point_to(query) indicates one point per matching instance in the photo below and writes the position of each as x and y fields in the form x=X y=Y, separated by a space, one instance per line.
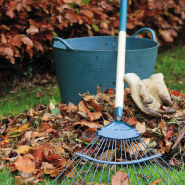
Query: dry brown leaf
x=88 y=13
x=22 y=149
x=23 y=180
x=139 y=148
x=83 y=108
x=26 y=165
x=59 y=150
x=26 y=136
x=156 y=182
x=32 y=30
x=105 y=122
x=120 y=178
x=48 y=168
x=168 y=145
x=89 y=183
x=16 y=41
x=97 y=114
x=51 y=105
x=141 y=127
x=163 y=126
x=8 y=51
x=90 y=124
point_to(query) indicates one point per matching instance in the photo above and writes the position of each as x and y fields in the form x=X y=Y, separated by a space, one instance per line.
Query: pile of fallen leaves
x=43 y=140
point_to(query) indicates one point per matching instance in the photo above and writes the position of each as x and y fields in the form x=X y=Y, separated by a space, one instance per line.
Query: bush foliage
x=27 y=26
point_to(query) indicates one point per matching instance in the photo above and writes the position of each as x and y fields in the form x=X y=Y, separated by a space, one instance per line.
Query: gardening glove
x=150 y=94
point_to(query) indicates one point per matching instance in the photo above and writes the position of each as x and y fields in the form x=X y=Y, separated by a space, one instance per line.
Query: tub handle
x=62 y=41
x=145 y=29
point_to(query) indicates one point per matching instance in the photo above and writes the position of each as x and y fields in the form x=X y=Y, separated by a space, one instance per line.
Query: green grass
x=12 y=104
x=95 y=177
x=172 y=64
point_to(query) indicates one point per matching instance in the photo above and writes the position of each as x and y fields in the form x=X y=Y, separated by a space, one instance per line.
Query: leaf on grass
x=55 y=111
x=51 y=105
x=90 y=124
x=89 y=183
x=12 y=167
x=26 y=165
x=24 y=180
x=156 y=182
x=120 y=178
x=22 y=149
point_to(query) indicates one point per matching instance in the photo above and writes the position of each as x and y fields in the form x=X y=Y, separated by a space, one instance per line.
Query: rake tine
x=110 y=164
x=165 y=162
x=121 y=154
x=138 y=162
x=133 y=163
x=157 y=162
x=92 y=143
x=105 y=160
x=100 y=158
x=83 y=164
x=141 y=157
x=152 y=163
x=115 y=155
x=126 y=161
x=91 y=164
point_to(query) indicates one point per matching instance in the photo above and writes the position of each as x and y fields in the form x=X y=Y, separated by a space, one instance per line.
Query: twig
x=179 y=122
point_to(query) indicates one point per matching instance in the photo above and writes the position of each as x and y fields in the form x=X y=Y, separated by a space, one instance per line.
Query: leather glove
x=150 y=94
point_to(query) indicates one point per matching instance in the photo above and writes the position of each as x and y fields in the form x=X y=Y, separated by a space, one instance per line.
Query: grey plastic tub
x=83 y=63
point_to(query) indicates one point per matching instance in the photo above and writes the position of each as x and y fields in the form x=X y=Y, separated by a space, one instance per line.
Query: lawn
x=171 y=63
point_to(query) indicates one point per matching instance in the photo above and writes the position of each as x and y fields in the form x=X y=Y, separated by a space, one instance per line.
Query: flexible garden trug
x=118 y=146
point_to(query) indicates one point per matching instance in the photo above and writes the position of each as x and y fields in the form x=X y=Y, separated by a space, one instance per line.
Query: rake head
x=119 y=155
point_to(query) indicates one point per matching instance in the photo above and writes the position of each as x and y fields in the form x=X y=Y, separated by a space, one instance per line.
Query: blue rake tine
x=84 y=163
x=93 y=161
x=105 y=160
x=110 y=161
x=98 y=163
x=126 y=161
x=92 y=143
x=157 y=162
x=115 y=155
x=141 y=157
x=121 y=154
x=133 y=163
x=138 y=163
x=166 y=163
x=153 y=164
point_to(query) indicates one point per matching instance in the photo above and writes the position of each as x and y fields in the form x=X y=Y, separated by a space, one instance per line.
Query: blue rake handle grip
x=145 y=29
x=62 y=41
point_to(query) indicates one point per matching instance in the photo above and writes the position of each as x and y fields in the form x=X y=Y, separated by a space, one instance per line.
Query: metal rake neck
x=118 y=130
